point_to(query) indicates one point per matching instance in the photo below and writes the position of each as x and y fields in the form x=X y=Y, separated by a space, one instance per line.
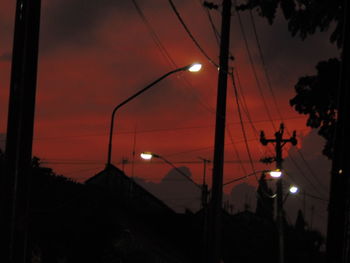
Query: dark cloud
x=74 y=21
x=313 y=177
x=175 y=190
x=287 y=58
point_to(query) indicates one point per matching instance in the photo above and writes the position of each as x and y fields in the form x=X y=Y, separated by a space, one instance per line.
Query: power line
x=90 y=162
x=190 y=34
x=167 y=55
x=303 y=174
x=267 y=76
x=268 y=79
x=242 y=125
x=150 y=130
x=251 y=62
x=236 y=151
x=211 y=22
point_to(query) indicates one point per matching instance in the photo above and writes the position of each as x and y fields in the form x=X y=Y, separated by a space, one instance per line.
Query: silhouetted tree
x=317 y=97
x=304 y=17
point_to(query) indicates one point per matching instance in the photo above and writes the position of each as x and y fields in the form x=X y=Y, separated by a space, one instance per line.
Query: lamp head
x=195 y=67
x=146 y=155
x=293 y=189
x=149 y=155
x=276 y=173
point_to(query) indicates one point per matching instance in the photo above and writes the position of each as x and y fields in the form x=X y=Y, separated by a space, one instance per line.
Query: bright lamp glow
x=293 y=189
x=146 y=155
x=276 y=173
x=195 y=67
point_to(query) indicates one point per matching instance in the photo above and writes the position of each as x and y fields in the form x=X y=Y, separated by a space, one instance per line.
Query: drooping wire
x=190 y=34
x=246 y=109
x=167 y=55
x=211 y=22
x=154 y=36
x=242 y=126
x=236 y=150
x=297 y=166
x=304 y=175
x=250 y=58
x=311 y=171
x=267 y=76
x=268 y=81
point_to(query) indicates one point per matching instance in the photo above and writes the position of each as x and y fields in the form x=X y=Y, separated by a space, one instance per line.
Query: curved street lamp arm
x=131 y=98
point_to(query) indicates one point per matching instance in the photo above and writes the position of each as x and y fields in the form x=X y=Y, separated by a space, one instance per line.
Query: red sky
x=95 y=54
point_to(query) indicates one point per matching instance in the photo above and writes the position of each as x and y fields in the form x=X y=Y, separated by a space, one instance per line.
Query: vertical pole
x=338 y=229
x=15 y=180
x=204 y=197
x=215 y=208
x=304 y=203
x=280 y=222
x=279 y=143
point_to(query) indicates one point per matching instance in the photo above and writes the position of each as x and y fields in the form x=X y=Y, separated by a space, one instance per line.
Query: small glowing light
x=146 y=155
x=293 y=189
x=276 y=173
x=195 y=67
x=340 y=171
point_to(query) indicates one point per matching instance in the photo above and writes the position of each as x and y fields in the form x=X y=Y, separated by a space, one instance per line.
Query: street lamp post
x=195 y=67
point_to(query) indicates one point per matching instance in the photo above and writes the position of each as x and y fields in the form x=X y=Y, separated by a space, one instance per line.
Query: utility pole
x=204 y=205
x=215 y=205
x=279 y=143
x=204 y=198
x=14 y=182
x=338 y=230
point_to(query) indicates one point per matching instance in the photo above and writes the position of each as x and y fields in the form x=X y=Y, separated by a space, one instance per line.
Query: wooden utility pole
x=16 y=177
x=204 y=197
x=338 y=231
x=215 y=205
x=279 y=143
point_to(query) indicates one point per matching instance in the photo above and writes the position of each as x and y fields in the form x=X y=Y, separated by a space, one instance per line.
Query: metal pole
x=204 y=198
x=16 y=178
x=215 y=206
x=280 y=223
x=338 y=230
x=109 y=154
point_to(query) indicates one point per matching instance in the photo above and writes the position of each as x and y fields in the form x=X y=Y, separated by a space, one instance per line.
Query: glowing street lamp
x=276 y=173
x=194 y=67
x=146 y=155
x=293 y=189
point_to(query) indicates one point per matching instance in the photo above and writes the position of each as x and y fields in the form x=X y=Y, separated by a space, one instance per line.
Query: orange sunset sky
x=95 y=54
